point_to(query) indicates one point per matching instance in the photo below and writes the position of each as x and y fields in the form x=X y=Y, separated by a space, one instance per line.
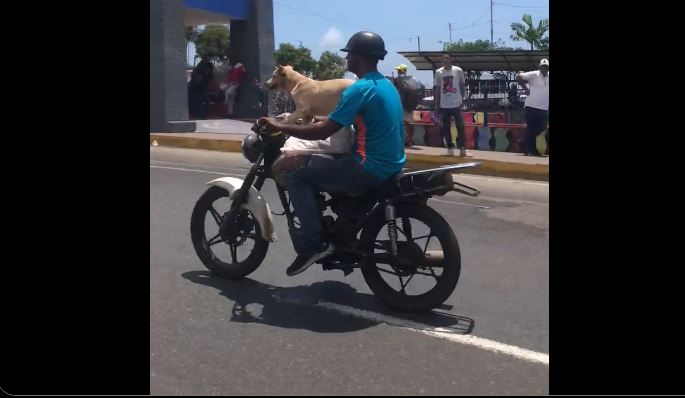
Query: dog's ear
x=282 y=70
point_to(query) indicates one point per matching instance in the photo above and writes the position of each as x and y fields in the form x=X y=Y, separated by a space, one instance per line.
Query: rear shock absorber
x=392 y=226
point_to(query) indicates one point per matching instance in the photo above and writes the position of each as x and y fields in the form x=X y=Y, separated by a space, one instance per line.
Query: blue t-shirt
x=373 y=104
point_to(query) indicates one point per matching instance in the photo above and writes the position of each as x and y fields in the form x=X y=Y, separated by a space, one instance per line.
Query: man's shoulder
x=355 y=86
x=359 y=87
x=440 y=69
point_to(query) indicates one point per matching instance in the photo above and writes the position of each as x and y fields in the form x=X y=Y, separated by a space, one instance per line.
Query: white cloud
x=332 y=39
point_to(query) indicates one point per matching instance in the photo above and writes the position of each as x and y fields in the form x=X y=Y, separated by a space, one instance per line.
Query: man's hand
x=270 y=123
x=319 y=119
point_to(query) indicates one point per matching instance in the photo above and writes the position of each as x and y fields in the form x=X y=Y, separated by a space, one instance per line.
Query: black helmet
x=367 y=43
x=252 y=147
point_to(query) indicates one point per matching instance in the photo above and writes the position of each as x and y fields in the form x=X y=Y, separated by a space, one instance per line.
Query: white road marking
x=499 y=179
x=485 y=344
x=459 y=203
x=197 y=171
x=169 y=163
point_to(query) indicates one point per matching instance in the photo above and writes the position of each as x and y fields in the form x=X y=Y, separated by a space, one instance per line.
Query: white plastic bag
x=339 y=143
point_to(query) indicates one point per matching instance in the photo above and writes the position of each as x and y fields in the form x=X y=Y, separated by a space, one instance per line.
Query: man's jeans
x=446 y=118
x=536 y=121
x=322 y=173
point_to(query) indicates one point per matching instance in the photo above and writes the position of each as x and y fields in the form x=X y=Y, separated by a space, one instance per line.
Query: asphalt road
x=323 y=333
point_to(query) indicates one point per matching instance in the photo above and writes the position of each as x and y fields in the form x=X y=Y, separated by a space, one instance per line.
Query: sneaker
x=450 y=151
x=307 y=258
x=464 y=153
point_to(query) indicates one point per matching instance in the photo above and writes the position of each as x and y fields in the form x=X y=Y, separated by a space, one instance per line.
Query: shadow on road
x=295 y=307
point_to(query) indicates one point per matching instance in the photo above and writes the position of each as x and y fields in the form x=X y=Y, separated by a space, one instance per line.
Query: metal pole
x=419 y=37
x=450 y=26
x=492 y=43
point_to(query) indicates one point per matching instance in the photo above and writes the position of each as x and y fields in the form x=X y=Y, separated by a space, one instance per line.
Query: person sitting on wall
x=236 y=75
x=198 y=89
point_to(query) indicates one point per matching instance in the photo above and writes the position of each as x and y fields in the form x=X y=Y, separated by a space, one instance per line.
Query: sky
x=326 y=25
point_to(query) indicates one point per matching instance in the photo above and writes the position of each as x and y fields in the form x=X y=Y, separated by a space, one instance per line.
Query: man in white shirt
x=448 y=89
x=536 y=84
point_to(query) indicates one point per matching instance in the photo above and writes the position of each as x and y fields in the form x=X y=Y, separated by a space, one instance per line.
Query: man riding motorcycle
x=374 y=106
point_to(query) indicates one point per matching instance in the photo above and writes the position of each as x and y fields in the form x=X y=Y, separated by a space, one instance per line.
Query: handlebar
x=263 y=132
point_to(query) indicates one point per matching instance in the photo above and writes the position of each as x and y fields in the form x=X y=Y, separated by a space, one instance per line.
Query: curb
x=493 y=168
x=197 y=143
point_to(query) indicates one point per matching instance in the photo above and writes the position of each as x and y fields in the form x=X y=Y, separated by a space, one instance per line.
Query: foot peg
x=345 y=268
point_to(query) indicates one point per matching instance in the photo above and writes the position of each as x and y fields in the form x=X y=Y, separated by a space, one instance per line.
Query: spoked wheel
x=431 y=264
x=233 y=253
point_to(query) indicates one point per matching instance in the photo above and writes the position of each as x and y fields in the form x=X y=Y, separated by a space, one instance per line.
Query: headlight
x=252 y=147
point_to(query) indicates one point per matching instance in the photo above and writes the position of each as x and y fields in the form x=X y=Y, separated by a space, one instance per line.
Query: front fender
x=255 y=203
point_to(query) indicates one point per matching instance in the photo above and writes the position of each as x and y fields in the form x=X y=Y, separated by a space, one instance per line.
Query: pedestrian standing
x=449 y=88
x=536 y=85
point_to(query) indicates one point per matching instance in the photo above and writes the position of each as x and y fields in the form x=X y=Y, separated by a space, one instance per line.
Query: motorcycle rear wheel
x=450 y=265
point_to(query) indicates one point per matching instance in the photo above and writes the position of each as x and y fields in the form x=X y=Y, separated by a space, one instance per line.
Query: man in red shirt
x=236 y=75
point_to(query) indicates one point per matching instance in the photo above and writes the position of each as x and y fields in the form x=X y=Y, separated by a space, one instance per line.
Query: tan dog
x=312 y=97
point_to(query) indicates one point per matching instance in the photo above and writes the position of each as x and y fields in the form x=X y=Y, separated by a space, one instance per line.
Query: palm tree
x=527 y=31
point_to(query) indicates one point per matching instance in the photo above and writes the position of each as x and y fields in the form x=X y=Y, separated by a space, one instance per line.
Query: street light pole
x=419 y=41
x=491 y=35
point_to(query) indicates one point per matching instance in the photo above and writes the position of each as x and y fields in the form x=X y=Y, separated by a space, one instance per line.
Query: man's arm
x=520 y=78
x=436 y=97
x=462 y=86
x=436 y=91
x=314 y=131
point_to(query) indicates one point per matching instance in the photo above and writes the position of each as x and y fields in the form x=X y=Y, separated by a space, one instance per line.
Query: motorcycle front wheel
x=234 y=254
x=427 y=240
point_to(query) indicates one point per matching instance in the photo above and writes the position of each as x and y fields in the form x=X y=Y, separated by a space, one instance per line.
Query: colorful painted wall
x=498 y=136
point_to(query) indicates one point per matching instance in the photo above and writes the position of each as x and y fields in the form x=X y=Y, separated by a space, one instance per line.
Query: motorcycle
x=386 y=232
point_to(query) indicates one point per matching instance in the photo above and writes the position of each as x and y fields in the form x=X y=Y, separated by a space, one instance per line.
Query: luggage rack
x=449 y=183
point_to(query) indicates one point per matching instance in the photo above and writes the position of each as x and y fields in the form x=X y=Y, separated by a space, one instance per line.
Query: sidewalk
x=227 y=135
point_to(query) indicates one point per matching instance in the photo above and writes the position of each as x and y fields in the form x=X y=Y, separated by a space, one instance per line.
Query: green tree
x=527 y=31
x=544 y=43
x=478 y=45
x=300 y=58
x=213 y=43
x=330 y=66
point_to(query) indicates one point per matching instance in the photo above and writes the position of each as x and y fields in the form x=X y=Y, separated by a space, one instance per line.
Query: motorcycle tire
x=446 y=282
x=202 y=248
